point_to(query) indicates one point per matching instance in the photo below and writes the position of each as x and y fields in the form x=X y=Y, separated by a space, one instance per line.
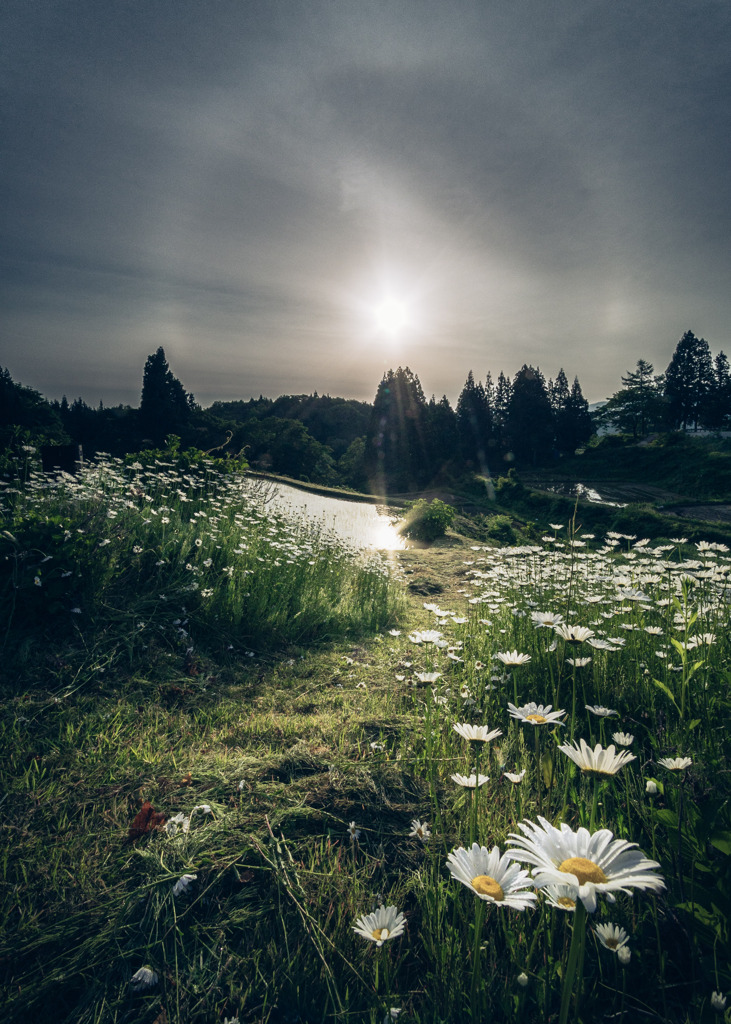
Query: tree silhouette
x=689 y=381
x=530 y=420
x=474 y=423
x=165 y=407
x=717 y=411
x=396 y=451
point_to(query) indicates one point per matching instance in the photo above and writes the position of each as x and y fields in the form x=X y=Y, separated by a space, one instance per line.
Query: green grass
x=271 y=738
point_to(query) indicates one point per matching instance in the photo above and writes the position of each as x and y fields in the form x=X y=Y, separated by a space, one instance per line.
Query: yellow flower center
x=564 y=901
x=535 y=718
x=487 y=886
x=379 y=934
x=585 y=870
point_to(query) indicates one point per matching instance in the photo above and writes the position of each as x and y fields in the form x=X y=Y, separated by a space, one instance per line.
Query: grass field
x=219 y=758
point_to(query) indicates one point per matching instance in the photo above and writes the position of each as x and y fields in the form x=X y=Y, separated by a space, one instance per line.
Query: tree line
x=401 y=442
x=694 y=392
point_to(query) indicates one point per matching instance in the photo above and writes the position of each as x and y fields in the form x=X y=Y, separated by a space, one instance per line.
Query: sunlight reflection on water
x=358 y=523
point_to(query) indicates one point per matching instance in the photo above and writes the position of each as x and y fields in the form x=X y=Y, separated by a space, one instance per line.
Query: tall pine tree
x=689 y=381
x=397 y=458
x=165 y=407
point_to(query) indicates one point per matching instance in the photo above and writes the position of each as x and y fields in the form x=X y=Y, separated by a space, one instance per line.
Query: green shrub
x=500 y=528
x=428 y=520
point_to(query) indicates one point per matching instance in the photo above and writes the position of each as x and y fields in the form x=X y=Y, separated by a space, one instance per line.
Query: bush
x=500 y=528
x=428 y=520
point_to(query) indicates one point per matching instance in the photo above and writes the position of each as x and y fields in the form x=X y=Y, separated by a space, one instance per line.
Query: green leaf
x=667 y=817
x=667 y=691
x=722 y=842
x=694 y=723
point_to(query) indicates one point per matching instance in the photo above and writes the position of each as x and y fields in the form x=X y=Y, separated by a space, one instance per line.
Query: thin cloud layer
x=244 y=183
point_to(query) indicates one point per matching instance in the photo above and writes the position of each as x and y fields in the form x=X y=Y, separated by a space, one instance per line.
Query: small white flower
x=624 y=955
x=353 y=831
x=428 y=677
x=420 y=830
x=514 y=777
x=470 y=781
x=675 y=764
x=623 y=739
x=718 y=1001
x=651 y=788
x=492 y=876
x=385 y=923
x=513 y=658
x=600 y=711
x=183 y=884
x=522 y=979
x=477 y=733
x=536 y=714
x=611 y=936
x=145 y=977
x=573 y=634
x=597 y=761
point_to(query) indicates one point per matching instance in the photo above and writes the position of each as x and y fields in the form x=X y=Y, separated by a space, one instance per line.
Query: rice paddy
x=246 y=776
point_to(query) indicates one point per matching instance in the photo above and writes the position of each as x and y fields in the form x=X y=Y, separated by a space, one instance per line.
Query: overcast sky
x=251 y=183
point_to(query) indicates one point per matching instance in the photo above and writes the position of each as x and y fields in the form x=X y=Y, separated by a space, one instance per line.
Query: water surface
x=357 y=523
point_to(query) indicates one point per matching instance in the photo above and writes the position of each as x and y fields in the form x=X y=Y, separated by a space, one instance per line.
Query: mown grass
x=271 y=749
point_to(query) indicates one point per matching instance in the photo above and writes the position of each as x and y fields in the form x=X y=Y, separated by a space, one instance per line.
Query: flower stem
x=479 y=914
x=577 y=944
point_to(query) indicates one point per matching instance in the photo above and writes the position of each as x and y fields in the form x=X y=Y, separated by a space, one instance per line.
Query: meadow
x=248 y=775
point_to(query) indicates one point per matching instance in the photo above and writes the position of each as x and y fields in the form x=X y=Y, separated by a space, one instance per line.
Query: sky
x=296 y=195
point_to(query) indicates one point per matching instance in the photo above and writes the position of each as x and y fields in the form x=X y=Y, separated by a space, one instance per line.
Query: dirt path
x=438 y=574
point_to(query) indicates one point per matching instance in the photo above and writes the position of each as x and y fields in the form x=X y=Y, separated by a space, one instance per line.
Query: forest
x=401 y=442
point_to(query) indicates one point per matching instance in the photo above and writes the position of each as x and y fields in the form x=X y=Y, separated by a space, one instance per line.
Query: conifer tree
x=689 y=381
x=717 y=413
x=530 y=419
x=165 y=407
x=639 y=406
x=396 y=452
x=474 y=423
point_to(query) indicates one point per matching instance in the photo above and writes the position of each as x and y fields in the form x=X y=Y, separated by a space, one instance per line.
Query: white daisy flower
x=383 y=924
x=145 y=977
x=183 y=884
x=562 y=897
x=676 y=764
x=513 y=658
x=624 y=955
x=611 y=936
x=428 y=677
x=573 y=634
x=515 y=777
x=353 y=831
x=588 y=863
x=493 y=877
x=419 y=830
x=477 y=733
x=623 y=739
x=718 y=1001
x=536 y=714
x=599 y=761
x=470 y=781
x=601 y=712
x=546 y=620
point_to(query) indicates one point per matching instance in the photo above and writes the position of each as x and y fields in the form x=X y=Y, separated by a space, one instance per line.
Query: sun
x=391 y=317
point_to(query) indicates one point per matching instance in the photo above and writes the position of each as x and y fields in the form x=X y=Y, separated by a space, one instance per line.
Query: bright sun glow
x=391 y=317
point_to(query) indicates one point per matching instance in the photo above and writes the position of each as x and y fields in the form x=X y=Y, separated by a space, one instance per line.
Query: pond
x=358 y=523
x=583 y=491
